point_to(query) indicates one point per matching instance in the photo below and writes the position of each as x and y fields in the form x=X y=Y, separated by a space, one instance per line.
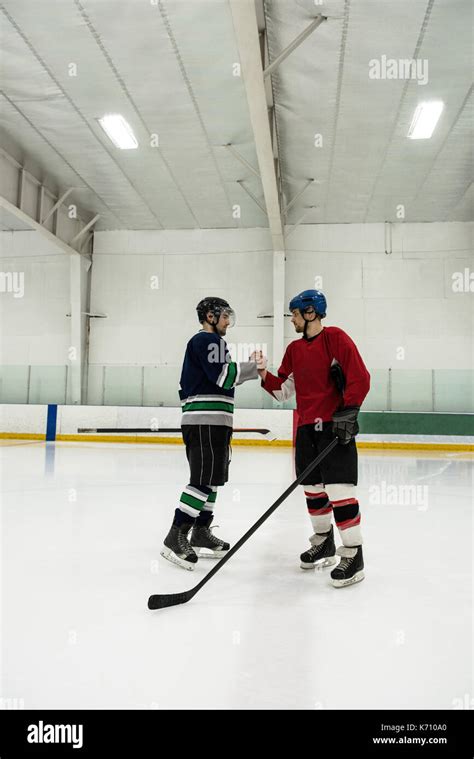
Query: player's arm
x=356 y=387
x=219 y=368
x=281 y=387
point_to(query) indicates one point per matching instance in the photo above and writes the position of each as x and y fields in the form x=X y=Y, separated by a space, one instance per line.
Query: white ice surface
x=82 y=526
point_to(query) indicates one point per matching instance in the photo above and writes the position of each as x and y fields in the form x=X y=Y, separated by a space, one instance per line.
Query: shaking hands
x=261 y=362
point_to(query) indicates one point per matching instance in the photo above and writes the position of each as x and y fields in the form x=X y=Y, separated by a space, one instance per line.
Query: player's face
x=223 y=323
x=297 y=320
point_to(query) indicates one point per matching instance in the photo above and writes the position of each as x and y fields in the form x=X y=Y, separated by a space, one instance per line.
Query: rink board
x=62 y=423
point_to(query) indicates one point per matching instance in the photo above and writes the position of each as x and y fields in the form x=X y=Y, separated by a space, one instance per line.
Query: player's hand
x=345 y=425
x=260 y=360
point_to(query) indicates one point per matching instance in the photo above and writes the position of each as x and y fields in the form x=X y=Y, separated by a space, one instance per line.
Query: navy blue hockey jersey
x=208 y=379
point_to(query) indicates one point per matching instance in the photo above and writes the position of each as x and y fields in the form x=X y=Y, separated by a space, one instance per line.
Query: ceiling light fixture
x=118 y=131
x=425 y=119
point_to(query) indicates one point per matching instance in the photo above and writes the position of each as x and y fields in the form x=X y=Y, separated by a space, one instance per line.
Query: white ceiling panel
x=168 y=68
x=367 y=165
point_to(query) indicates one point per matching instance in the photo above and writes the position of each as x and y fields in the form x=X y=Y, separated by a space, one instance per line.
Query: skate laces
x=318 y=541
x=184 y=543
x=347 y=554
x=345 y=562
x=211 y=537
x=314 y=550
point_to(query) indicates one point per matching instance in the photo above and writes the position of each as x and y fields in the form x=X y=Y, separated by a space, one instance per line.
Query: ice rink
x=82 y=528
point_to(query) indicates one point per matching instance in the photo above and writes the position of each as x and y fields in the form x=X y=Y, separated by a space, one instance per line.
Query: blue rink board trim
x=51 y=421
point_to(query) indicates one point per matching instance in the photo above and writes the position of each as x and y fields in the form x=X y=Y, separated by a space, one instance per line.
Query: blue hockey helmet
x=307 y=298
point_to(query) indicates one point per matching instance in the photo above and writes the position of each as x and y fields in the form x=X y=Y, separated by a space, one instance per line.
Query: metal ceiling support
x=243 y=160
x=25 y=179
x=298 y=195
x=40 y=204
x=293 y=45
x=28 y=175
x=86 y=228
x=245 y=24
x=241 y=183
x=76 y=275
x=300 y=220
x=87 y=239
x=35 y=227
x=18 y=165
x=246 y=27
x=56 y=205
x=21 y=187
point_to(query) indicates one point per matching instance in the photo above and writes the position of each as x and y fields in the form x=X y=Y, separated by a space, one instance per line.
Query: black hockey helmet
x=217 y=306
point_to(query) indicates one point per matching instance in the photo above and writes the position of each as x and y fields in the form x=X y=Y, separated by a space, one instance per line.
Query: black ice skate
x=205 y=544
x=351 y=567
x=322 y=552
x=176 y=547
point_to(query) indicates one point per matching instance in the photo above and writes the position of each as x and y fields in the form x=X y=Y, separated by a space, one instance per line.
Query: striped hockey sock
x=319 y=508
x=193 y=500
x=347 y=516
x=208 y=507
x=346 y=513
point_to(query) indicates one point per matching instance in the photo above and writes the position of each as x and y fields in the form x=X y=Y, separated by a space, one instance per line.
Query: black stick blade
x=170 y=599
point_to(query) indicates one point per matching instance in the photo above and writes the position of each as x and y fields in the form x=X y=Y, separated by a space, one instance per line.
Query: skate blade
x=168 y=554
x=208 y=553
x=342 y=583
x=321 y=564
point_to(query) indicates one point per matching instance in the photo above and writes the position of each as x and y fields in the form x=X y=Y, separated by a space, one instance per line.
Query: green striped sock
x=189 y=500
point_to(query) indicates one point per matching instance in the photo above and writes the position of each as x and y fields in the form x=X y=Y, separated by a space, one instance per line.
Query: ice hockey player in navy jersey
x=207 y=384
x=326 y=372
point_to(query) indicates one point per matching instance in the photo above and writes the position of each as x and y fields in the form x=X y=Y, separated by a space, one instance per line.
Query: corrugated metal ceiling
x=168 y=67
x=367 y=166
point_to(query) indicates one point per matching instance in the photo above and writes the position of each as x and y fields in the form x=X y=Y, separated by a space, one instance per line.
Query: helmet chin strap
x=213 y=324
x=307 y=321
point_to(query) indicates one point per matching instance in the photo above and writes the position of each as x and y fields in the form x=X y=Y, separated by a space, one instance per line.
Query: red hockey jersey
x=305 y=370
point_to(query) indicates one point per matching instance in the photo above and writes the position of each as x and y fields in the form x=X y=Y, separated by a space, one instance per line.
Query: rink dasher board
x=30 y=423
x=361 y=445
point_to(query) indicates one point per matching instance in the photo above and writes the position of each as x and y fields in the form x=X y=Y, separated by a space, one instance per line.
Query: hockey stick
x=139 y=430
x=172 y=599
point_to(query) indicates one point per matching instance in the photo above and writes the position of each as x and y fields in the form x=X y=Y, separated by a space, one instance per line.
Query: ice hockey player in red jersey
x=325 y=370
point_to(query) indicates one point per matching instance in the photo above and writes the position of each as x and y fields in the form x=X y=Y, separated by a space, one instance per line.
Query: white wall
x=403 y=299
x=385 y=302
x=34 y=327
x=149 y=326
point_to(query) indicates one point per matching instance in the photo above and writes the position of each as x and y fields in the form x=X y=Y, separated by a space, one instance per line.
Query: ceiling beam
x=30 y=222
x=290 y=230
x=251 y=54
x=246 y=29
x=293 y=45
x=242 y=160
x=240 y=182
x=86 y=228
x=298 y=195
x=27 y=175
x=56 y=205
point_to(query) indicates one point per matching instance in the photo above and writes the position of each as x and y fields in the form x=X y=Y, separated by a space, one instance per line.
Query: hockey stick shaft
x=162 y=601
x=259 y=430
